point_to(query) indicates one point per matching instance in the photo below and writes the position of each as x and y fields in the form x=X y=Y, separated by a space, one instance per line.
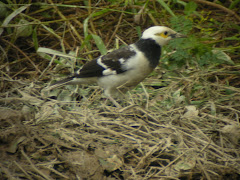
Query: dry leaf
x=14 y=145
x=140 y=17
x=232 y=132
x=111 y=163
x=191 y=112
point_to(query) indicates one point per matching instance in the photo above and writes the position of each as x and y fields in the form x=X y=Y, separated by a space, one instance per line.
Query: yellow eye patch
x=163 y=34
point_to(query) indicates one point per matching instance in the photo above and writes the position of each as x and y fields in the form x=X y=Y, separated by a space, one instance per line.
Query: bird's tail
x=66 y=81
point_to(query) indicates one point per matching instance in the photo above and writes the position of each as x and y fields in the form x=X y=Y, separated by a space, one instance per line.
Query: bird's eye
x=165 y=33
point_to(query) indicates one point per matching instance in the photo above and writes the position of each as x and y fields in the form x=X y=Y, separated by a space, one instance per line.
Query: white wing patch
x=100 y=63
x=109 y=72
x=122 y=60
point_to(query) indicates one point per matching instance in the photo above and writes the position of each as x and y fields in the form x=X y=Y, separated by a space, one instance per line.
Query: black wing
x=108 y=64
x=90 y=69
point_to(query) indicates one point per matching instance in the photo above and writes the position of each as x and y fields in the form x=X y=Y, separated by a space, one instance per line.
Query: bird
x=122 y=69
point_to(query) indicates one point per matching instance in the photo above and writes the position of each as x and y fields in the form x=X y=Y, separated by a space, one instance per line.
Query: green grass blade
x=102 y=48
x=13 y=15
x=234 y=4
x=163 y=4
x=34 y=38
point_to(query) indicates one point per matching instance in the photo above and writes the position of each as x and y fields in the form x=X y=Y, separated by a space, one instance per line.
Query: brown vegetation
x=159 y=134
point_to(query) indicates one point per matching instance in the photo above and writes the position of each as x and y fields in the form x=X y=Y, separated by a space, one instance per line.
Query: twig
x=205 y=172
x=6 y=172
x=109 y=131
x=228 y=121
x=34 y=65
x=34 y=167
x=148 y=114
x=71 y=26
x=127 y=108
x=121 y=40
x=20 y=167
x=219 y=7
x=172 y=162
x=91 y=19
x=153 y=149
x=146 y=94
x=49 y=65
x=56 y=172
x=116 y=29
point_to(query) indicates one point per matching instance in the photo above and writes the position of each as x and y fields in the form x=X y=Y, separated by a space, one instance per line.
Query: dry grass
x=157 y=135
x=45 y=140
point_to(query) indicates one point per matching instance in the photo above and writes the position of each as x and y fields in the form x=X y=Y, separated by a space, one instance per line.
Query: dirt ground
x=170 y=127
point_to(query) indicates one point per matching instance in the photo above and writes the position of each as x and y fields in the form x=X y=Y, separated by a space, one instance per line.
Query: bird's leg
x=114 y=102
x=108 y=93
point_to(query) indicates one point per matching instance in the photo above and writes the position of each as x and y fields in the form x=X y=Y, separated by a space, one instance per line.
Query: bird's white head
x=161 y=34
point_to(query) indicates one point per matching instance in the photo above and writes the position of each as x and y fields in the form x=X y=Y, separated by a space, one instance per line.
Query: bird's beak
x=178 y=35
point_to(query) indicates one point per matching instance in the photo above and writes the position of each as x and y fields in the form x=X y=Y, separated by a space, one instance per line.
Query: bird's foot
x=115 y=102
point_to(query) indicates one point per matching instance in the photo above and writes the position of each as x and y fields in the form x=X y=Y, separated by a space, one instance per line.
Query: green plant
x=191 y=51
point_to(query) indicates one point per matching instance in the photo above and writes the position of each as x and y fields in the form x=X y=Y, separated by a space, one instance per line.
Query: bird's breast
x=136 y=71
